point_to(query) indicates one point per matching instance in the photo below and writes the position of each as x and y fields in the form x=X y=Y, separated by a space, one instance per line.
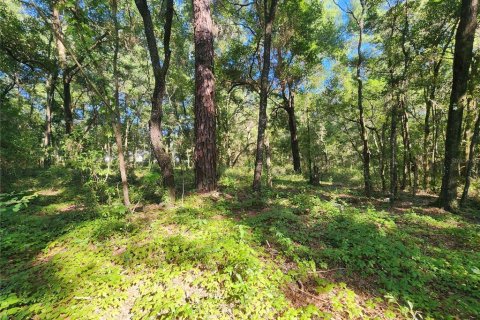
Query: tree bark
x=461 y=64
x=269 y=16
x=471 y=154
x=159 y=72
x=205 y=154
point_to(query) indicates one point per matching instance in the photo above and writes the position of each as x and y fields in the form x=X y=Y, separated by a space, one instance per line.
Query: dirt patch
x=73 y=207
x=125 y=309
x=44 y=258
x=49 y=192
x=143 y=218
x=336 y=299
x=119 y=250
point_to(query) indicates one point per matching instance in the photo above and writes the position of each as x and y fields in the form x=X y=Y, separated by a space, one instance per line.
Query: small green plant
x=116 y=210
x=14 y=202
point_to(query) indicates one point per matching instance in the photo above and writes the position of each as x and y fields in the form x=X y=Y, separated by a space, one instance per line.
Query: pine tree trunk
x=269 y=15
x=160 y=72
x=461 y=64
x=205 y=138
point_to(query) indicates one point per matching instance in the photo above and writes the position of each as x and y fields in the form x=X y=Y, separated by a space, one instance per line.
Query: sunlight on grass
x=305 y=254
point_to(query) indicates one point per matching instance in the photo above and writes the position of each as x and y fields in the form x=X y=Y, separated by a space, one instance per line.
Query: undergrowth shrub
x=150 y=188
x=15 y=201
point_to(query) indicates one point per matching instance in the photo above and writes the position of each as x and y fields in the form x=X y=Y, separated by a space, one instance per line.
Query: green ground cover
x=296 y=252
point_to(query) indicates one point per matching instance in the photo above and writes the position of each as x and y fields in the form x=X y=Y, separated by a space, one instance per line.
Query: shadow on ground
x=412 y=252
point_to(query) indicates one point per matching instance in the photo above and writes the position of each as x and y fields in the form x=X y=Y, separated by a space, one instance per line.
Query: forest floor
x=295 y=252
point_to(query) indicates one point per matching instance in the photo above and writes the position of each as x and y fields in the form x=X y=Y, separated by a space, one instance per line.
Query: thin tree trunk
x=393 y=122
x=160 y=72
x=393 y=153
x=408 y=160
x=116 y=122
x=292 y=127
x=471 y=108
x=436 y=133
x=468 y=119
x=62 y=58
x=405 y=170
x=268 y=162
x=59 y=38
x=426 y=134
x=430 y=100
x=379 y=142
x=383 y=153
x=411 y=161
x=470 y=162
x=121 y=159
x=50 y=88
x=363 y=131
x=269 y=15
x=309 y=148
x=461 y=64
x=205 y=154
x=67 y=104
x=128 y=125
